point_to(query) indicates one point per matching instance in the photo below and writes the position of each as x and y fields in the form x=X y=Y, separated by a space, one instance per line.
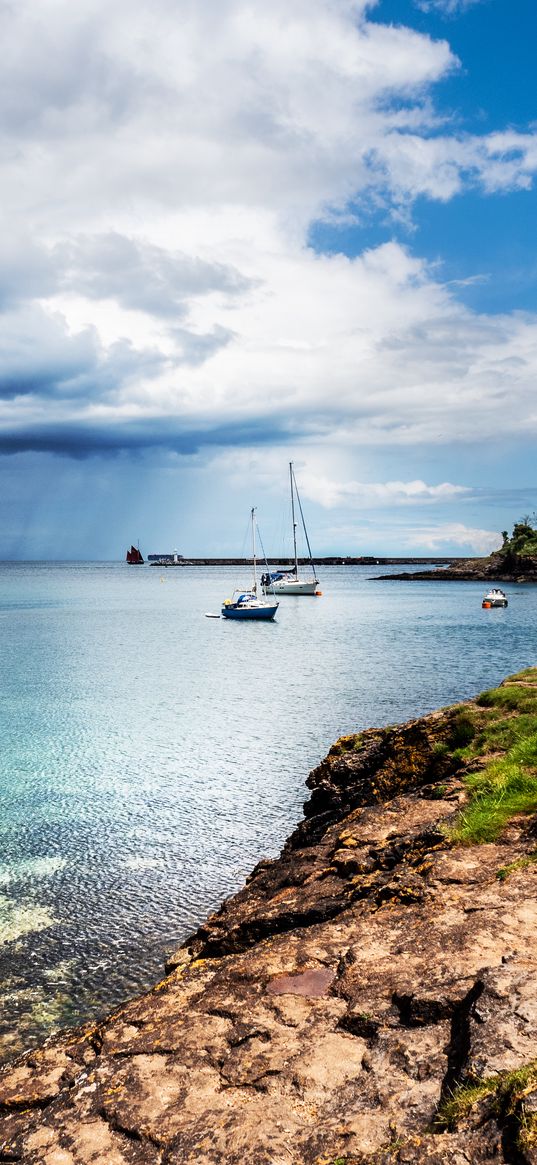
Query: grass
x=439 y=792
x=501 y=730
x=508 y=1090
x=513 y=698
x=501 y=735
x=500 y=791
x=352 y=743
x=518 y=864
x=528 y=673
x=462 y=731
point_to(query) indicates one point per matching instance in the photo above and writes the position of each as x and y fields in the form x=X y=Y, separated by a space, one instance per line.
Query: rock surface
x=499 y=567
x=323 y=1014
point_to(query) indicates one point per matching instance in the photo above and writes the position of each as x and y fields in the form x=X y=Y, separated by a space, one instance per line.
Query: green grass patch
x=502 y=730
x=437 y=793
x=518 y=864
x=440 y=748
x=499 y=735
x=497 y=793
x=352 y=743
x=528 y=673
x=458 y=1106
x=512 y=698
x=507 y=1088
x=462 y=731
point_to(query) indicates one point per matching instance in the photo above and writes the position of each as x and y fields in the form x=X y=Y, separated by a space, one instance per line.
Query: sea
x=151 y=756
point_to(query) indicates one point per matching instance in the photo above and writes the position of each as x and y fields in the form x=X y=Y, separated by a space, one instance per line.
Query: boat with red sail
x=134 y=556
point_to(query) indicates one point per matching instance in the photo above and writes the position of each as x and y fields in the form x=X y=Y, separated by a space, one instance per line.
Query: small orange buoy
x=486 y=604
x=318 y=592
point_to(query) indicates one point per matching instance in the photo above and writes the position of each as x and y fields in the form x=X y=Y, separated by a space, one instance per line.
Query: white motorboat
x=495 y=598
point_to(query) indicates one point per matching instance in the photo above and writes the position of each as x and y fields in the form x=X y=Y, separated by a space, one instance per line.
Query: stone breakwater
x=368 y=997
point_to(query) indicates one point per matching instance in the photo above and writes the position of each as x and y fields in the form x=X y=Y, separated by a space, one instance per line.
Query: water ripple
x=151 y=757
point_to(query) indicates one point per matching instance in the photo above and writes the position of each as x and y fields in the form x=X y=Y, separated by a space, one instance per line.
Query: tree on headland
x=523 y=540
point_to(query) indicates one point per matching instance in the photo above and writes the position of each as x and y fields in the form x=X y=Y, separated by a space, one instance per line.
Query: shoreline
x=455 y=576
x=329 y=1010
x=507 y=565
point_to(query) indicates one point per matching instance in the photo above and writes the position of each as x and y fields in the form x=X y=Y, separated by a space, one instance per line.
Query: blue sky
x=237 y=234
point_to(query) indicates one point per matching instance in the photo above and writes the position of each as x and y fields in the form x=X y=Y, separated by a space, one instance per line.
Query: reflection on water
x=151 y=756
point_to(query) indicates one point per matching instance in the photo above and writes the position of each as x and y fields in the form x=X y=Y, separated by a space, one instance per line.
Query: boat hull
x=266 y=613
x=495 y=598
x=292 y=587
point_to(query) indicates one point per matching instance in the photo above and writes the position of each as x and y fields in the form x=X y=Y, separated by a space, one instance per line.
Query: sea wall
x=369 y=996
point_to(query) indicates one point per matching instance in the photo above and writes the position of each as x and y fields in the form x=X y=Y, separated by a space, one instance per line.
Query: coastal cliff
x=367 y=997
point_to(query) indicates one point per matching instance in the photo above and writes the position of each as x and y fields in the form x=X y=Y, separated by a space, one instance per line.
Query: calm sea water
x=150 y=756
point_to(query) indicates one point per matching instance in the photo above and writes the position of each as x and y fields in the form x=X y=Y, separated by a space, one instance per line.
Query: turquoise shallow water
x=151 y=756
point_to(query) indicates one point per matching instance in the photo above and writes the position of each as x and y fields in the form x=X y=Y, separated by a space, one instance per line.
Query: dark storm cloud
x=82 y=440
x=141 y=276
x=39 y=357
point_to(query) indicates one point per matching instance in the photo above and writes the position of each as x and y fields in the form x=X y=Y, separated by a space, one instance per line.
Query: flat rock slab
x=324 y=1013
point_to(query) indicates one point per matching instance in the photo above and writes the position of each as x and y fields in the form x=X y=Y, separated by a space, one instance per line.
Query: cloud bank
x=161 y=172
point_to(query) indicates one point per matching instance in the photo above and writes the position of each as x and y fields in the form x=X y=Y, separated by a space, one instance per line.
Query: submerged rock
x=332 y=1010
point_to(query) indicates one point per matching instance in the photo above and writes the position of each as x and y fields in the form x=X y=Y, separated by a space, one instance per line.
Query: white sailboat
x=287 y=580
x=246 y=604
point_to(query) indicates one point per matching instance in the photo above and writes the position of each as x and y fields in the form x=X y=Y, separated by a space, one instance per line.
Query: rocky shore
x=515 y=561
x=486 y=570
x=368 y=997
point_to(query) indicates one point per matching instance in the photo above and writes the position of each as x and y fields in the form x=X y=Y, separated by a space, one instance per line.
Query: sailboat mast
x=293 y=514
x=253 y=550
x=304 y=525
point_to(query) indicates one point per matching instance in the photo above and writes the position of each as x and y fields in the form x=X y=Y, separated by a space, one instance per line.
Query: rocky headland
x=515 y=562
x=495 y=568
x=368 y=997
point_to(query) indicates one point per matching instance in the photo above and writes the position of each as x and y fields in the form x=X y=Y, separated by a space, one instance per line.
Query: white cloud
x=441 y=166
x=332 y=494
x=160 y=173
x=448 y=7
x=268 y=469
x=442 y=538
x=385 y=537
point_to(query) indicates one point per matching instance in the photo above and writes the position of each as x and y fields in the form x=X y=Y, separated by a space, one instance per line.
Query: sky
x=237 y=234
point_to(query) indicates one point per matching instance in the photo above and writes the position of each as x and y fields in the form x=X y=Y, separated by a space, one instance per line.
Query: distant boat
x=495 y=598
x=287 y=580
x=246 y=604
x=134 y=557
